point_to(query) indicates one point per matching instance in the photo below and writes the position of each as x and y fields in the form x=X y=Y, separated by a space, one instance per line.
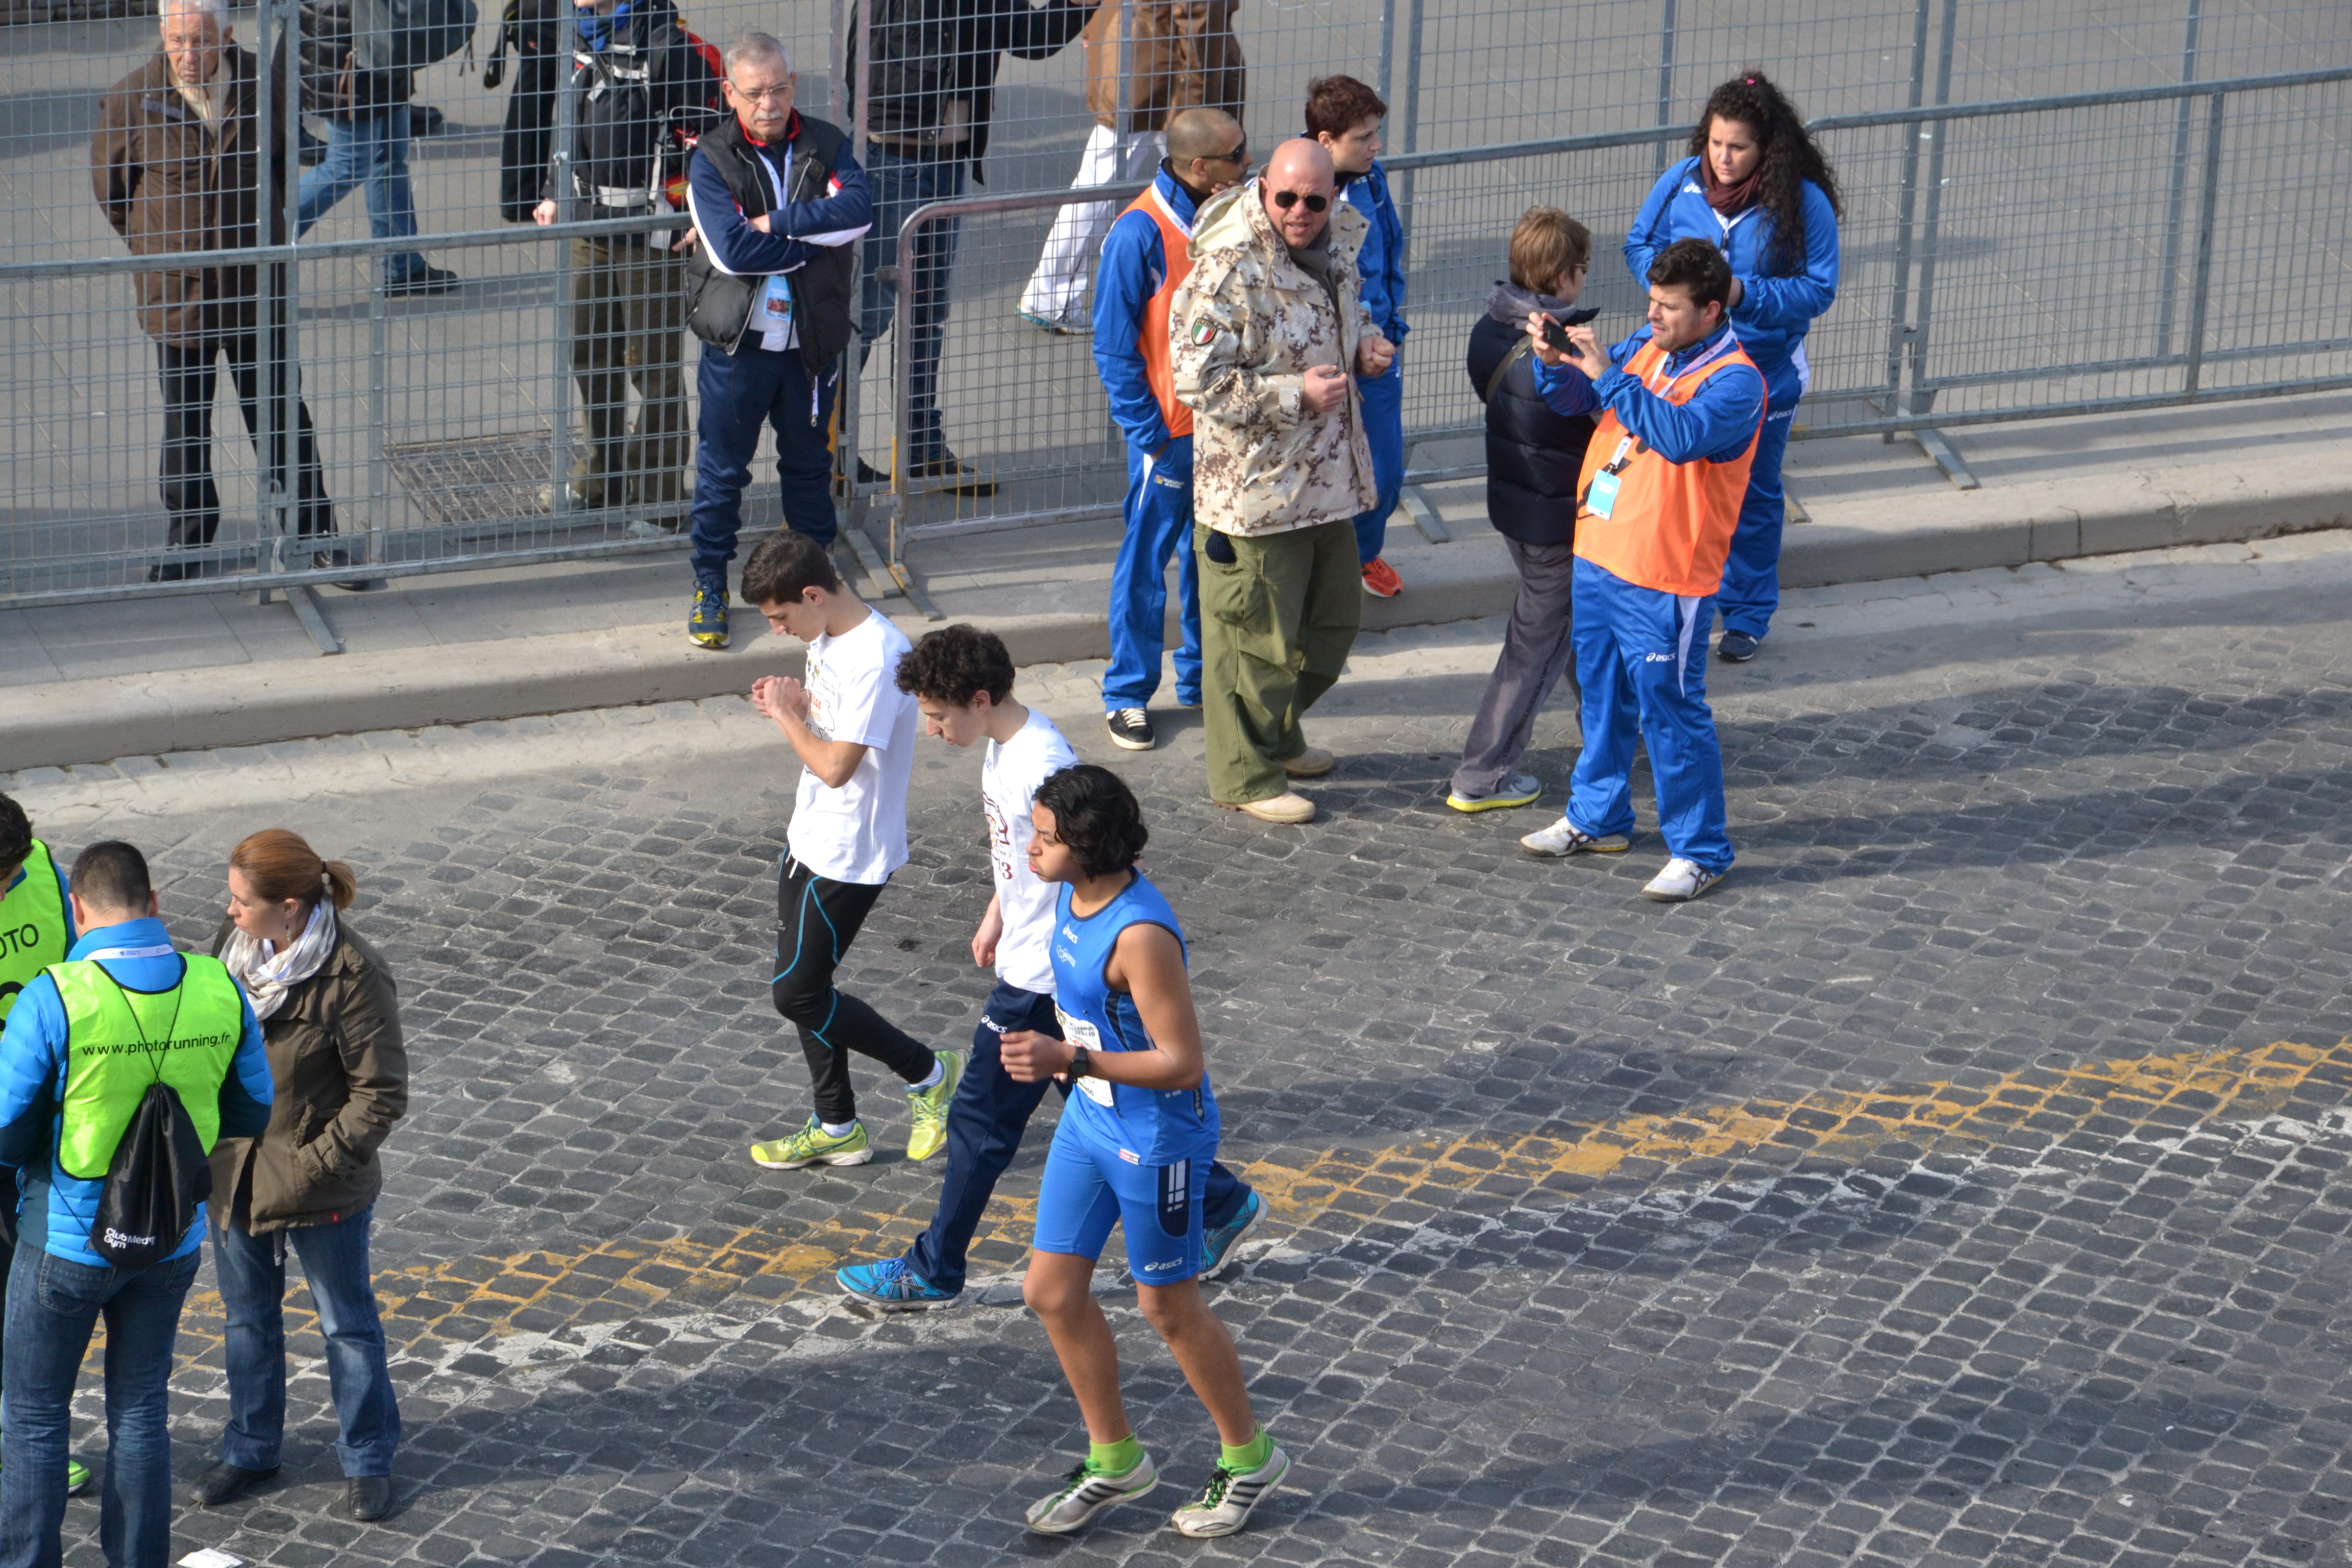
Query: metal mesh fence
x=2033 y=261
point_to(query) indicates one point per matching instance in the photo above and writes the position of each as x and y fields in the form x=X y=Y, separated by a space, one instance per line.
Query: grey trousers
x=1535 y=655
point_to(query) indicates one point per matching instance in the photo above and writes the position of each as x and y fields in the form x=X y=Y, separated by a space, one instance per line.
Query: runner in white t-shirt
x=963 y=679
x=853 y=732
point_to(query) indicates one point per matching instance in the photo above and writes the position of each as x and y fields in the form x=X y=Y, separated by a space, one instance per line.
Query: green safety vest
x=32 y=927
x=116 y=1041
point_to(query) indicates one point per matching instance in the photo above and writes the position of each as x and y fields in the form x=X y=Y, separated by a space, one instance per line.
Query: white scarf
x=266 y=973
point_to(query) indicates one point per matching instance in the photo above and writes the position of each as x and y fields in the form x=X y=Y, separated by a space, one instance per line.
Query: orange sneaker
x=1381 y=579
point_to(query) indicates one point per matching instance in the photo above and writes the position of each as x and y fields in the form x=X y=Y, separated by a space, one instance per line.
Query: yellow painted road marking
x=459 y=1301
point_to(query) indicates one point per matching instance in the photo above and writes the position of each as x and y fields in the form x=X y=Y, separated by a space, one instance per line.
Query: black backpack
x=409 y=35
x=157 y=1179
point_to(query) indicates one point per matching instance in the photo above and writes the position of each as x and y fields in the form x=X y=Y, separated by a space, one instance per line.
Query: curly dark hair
x=1790 y=159
x=1097 y=815
x=955 y=663
x=15 y=834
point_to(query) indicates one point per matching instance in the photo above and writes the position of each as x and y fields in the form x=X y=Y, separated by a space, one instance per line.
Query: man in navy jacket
x=777 y=202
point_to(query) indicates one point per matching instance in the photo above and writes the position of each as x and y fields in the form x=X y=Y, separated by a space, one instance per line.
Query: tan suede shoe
x=1311 y=763
x=1291 y=807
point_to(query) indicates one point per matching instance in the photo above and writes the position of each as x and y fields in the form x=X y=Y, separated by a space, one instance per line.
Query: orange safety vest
x=1670 y=528
x=1152 y=333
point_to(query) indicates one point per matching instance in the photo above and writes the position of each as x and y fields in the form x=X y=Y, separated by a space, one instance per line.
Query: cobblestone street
x=1963 y=1181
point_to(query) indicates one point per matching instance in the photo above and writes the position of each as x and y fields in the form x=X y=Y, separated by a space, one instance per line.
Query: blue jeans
x=1642 y=656
x=370 y=150
x=1751 y=573
x=1383 y=401
x=252 y=1272
x=985 y=1122
x=900 y=184
x=53 y=1304
x=739 y=393
x=1159 y=510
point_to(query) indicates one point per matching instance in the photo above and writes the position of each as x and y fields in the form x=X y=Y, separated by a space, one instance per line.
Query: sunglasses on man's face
x=1240 y=154
x=1286 y=200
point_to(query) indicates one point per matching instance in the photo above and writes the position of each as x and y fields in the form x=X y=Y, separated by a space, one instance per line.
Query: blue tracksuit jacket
x=1716 y=424
x=1775 y=311
x=1134 y=264
x=32 y=1069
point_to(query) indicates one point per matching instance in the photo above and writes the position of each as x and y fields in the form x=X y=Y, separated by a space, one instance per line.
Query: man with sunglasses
x=1146 y=257
x=1263 y=335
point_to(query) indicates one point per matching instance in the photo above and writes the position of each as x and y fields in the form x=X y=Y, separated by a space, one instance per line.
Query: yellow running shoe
x=929 y=1134
x=813 y=1145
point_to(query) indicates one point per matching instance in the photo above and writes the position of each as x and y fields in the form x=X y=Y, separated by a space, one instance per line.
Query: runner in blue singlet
x=1138 y=1130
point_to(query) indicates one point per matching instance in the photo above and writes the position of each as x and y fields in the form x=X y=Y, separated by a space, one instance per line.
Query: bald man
x=1263 y=335
x=1145 y=259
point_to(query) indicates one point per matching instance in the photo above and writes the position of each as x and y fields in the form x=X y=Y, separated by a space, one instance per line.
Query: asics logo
x=1657 y=659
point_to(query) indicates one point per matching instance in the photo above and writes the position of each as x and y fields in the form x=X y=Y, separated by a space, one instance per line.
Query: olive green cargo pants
x=1276 y=623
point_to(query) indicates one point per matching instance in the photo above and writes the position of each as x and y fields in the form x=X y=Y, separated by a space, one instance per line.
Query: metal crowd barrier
x=2012 y=257
x=1979 y=284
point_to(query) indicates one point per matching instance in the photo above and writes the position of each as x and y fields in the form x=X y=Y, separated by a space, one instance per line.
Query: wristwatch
x=1080 y=1064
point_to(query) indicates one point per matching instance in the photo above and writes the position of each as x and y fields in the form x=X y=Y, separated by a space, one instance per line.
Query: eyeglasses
x=1240 y=154
x=762 y=94
x=1286 y=200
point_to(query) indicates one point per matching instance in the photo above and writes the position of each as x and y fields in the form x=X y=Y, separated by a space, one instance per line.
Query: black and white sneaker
x=1225 y=1502
x=1130 y=728
x=1084 y=1493
x=1737 y=647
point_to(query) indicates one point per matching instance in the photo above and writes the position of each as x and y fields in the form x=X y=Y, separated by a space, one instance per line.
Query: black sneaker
x=1130 y=728
x=1737 y=647
x=312 y=152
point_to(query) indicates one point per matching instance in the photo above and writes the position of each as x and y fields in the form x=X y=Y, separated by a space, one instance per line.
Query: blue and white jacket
x=1716 y=423
x=1379 y=265
x=1775 y=311
x=32 y=1084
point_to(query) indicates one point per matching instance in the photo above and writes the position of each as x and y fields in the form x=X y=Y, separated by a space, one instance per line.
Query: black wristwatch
x=1080 y=1064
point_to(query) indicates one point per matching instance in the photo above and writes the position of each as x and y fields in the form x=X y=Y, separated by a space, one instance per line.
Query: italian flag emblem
x=1204 y=333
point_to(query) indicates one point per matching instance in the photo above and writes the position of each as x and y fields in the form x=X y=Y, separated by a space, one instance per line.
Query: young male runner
x=853 y=732
x=962 y=678
x=1143 y=1122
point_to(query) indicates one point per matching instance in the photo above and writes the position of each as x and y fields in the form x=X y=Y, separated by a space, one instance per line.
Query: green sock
x=1114 y=1458
x=1251 y=1456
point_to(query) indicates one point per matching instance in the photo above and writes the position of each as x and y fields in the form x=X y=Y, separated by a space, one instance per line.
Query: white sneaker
x=1680 y=882
x=1564 y=838
x=1224 y=1505
x=1085 y=1494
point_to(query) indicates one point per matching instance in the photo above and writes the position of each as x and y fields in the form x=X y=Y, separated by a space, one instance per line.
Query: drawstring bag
x=157 y=1179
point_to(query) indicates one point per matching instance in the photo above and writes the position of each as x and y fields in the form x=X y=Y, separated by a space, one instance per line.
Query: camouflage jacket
x=1244 y=329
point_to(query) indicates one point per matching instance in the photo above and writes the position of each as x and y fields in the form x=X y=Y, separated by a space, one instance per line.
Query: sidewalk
x=156 y=676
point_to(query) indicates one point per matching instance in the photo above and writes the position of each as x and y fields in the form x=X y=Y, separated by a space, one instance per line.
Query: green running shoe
x=811 y=1145
x=76 y=1478
x=929 y=1134
x=1084 y=1493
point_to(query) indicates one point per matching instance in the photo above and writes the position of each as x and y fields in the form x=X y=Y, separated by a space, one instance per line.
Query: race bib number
x=1602 y=499
x=1079 y=1032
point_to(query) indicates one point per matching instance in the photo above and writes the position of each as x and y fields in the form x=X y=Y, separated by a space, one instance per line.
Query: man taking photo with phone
x=1679 y=405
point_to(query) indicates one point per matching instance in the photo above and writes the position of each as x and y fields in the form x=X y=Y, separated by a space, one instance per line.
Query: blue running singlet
x=1145 y=1126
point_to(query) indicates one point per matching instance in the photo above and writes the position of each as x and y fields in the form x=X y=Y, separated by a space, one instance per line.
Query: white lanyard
x=166 y=951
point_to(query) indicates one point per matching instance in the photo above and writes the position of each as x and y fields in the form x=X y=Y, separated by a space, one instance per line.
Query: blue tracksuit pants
x=1751 y=574
x=1642 y=656
x=1383 y=403
x=985 y=1122
x=740 y=392
x=1158 y=512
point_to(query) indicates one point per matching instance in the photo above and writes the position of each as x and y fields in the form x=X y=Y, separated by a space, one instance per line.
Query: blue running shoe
x=894 y=1286
x=706 y=623
x=1217 y=1247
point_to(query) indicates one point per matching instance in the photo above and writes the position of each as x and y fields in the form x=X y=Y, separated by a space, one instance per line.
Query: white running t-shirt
x=857 y=833
x=1009 y=777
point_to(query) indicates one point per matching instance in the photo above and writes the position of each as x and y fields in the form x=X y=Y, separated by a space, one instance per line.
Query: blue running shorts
x=1089 y=1187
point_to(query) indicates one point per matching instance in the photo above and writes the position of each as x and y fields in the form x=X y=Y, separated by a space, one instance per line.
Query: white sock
x=939 y=1071
x=838 y=1129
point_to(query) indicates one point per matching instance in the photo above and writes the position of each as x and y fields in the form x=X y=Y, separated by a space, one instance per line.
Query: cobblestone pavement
x=1961 y=1182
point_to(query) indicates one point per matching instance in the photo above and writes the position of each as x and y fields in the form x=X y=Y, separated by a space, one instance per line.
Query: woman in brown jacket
x=331 y=1023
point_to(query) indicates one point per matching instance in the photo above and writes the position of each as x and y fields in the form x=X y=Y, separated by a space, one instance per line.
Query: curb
x=97 y=720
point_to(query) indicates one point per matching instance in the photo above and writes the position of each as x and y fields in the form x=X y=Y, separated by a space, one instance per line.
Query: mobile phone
x=1556 y=336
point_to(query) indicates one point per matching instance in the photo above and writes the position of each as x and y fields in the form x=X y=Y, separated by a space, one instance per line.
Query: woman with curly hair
x=1756 y=187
